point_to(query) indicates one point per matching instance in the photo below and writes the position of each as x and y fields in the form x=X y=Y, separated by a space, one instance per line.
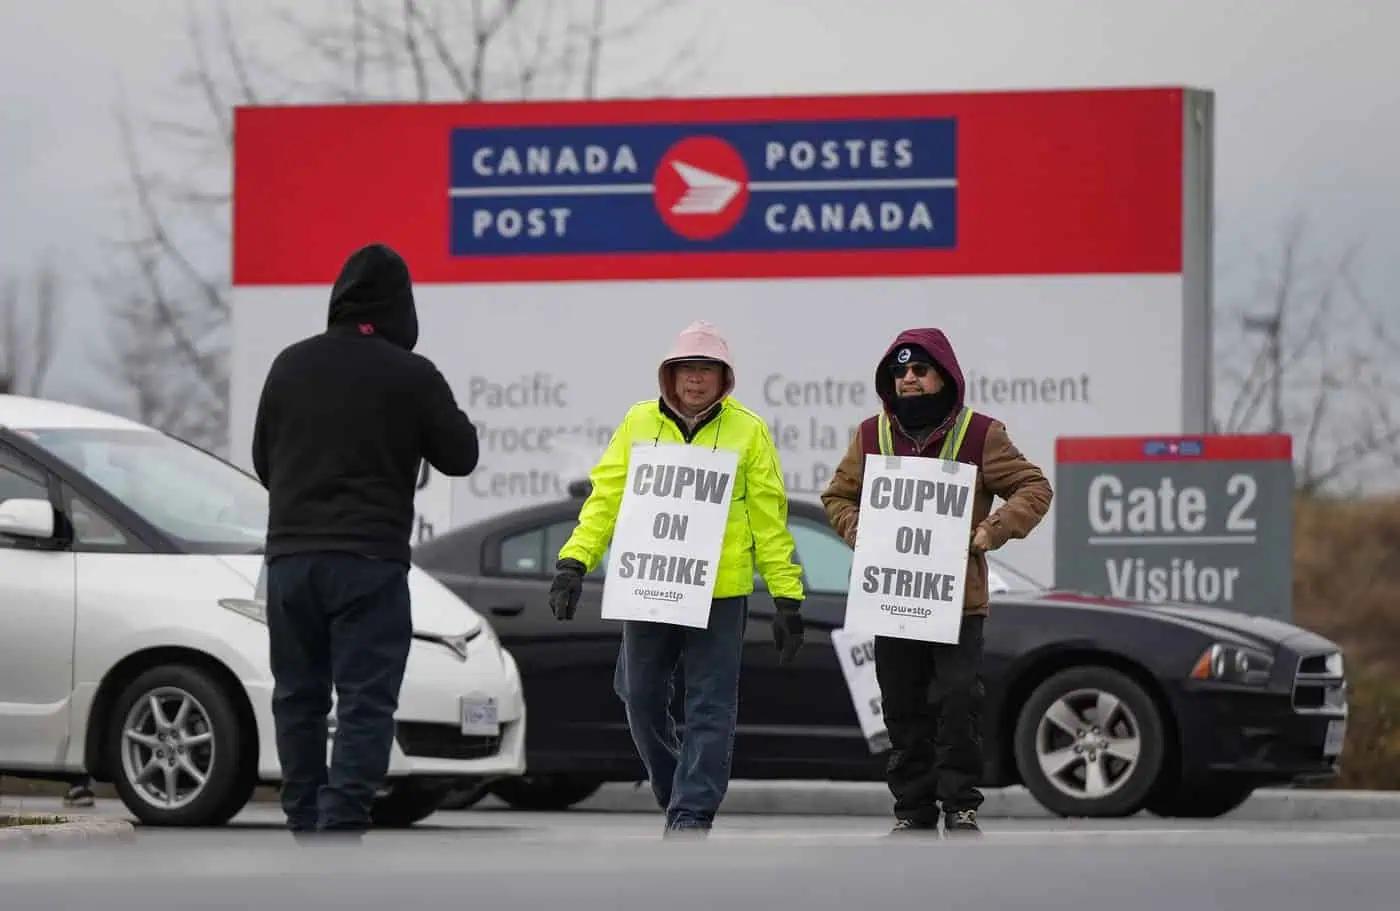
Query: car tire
x=1201 y=802
x=407 y=801
x=545 y=792
x=171 y=727
x=1077 y=766
x=465 y=793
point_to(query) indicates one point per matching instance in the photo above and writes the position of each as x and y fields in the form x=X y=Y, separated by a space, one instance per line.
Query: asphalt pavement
x=491 y=858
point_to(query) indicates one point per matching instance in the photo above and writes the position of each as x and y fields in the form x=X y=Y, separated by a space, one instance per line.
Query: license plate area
x=481 y=717
x=1336 y=738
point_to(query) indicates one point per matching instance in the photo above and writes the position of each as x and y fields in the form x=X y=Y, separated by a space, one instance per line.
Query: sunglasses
x=920 y=370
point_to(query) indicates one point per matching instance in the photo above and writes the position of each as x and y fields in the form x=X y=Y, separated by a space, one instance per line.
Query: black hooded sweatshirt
x=346 y=416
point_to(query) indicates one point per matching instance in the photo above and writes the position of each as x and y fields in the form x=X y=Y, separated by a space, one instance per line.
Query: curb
x=68 y=831
x=843 y=798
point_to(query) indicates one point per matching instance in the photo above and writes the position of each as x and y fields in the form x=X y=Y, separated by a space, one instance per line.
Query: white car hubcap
x=1088 y=743
x=168 y=748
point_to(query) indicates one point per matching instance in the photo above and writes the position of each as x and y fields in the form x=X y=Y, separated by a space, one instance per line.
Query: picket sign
x=855 y=652
x=910 y=563
x=669 y=534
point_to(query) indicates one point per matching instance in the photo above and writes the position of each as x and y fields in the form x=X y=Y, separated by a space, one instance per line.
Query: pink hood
x=698 y=340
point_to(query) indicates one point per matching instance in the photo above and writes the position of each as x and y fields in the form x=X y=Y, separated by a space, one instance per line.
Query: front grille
x=1313 y=664
x=1309 y=697
x=444 y=741
x=1319 y=686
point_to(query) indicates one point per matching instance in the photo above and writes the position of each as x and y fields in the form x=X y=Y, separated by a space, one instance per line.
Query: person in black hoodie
x=344 y=420
x=936 y=758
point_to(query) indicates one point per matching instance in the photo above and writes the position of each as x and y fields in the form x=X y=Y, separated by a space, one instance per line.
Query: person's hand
x=981 y=541
x=787 y=629
x=568 y=585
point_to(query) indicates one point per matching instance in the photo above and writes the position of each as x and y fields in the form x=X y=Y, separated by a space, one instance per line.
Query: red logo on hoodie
x=367 y=328
x=701 y=187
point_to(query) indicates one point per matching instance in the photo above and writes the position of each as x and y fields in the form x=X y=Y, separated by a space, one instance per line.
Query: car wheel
x=1089 y=742
x=465 y=793
x=545 y=792
x=408 y=800
x=1201 y=802
x=176 y=749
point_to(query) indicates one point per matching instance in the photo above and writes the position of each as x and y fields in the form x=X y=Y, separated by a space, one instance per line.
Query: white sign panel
x=855 y=651
x=669 y=534
x=910 y=564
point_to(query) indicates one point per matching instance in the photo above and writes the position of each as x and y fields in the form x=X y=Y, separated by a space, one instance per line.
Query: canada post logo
x=1173 y=448
x=785 y=186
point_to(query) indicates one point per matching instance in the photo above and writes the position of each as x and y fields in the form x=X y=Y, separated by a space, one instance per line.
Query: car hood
x=436 y=610
x=1208 y=620
x=1267 y=629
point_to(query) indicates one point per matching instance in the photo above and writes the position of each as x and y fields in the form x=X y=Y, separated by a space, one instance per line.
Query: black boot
x=914 y=827
x=963 y=822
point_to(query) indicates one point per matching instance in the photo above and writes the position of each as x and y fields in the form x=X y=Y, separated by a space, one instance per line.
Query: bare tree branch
x=357 y=49
x=532 y=63
x=1326 y=377
x=410 y=43
x=459 y=78
x=204 y=77
x=10 y=346
x=235 y=54
x=29 y=316
x=46 y=304
x=1325 y=390
x=485 y=28
x=595 y=52
x=1247 y=397
x=156 y=229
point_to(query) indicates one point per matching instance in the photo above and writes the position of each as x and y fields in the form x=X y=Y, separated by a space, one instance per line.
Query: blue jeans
x=335 y=619
x=689 y=775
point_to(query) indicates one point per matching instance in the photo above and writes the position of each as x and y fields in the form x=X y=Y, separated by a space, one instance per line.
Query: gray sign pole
x=1204 y=520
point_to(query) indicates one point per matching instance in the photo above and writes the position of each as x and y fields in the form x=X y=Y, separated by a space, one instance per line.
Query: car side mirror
x=21 y=518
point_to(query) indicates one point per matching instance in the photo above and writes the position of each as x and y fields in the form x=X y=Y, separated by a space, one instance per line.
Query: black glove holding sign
x=787 y=629
x=568 y=585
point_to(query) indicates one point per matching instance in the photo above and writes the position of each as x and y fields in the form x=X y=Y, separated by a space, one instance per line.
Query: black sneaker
x=913 y=827
x=79 y=796
x=963 y=822
x=686 y=830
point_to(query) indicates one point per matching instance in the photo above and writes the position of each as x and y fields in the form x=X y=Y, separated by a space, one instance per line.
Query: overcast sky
x=1307 y=104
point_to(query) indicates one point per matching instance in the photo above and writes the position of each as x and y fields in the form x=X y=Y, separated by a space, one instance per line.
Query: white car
x=134 y=645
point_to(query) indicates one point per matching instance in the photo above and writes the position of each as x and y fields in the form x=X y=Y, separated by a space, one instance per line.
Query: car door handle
x=507 y=610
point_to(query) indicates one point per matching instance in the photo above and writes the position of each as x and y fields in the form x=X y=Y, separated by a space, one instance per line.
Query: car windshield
x=204 y=503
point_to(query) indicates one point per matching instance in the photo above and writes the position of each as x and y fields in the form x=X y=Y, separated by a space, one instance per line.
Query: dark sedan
x=1099 y=707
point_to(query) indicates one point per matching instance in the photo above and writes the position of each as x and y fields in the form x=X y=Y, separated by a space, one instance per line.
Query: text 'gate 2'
x=1204 y=520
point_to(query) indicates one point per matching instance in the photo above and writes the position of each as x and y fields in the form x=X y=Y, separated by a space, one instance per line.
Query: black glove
x=568 y=585
x=787 y=629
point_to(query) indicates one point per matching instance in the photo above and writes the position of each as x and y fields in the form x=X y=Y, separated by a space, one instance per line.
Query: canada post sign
x=814 y=185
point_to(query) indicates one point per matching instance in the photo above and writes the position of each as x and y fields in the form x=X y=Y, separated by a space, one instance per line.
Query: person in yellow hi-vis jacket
x=690 y=776
x=937 y=748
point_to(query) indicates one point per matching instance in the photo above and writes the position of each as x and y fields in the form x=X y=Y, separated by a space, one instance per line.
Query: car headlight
x=248 y=607
x=1233 y=664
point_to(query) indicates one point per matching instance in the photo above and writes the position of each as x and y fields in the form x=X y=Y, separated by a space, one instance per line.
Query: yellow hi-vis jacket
x=756 y=531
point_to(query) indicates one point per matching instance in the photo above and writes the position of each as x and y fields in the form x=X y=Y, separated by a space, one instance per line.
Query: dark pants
x=343 y=620
x=937 y=743
x=689 y=776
